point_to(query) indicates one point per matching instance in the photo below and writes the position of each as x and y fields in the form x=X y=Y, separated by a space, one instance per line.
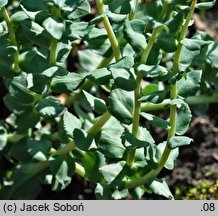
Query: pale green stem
x=137 y=110
x=53 y=52
x=99 y=124
x=12 y=38
x=79 y=170
x=173 y=95
x=110 y=32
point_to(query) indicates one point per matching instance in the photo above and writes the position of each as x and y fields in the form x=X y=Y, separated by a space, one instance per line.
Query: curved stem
x=12 y=38
x=99 y=124
x=173 y=95
x=110 y=32
x=136 y=117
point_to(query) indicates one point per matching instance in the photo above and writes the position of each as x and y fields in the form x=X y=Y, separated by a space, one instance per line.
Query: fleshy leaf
x=3 y=138
x=172 y=157
x=50 y=107
x=155 y=97
x=54 y=27
x=39 y=149
x=70 y=123
x=144 y=139
x=177 y=141
x=102 y=192
x=3 y=3
x=120 y=7
x=114 y=173
x=68 y=83
x=123 y=77
x=152 y=70
x=183 y=119
x=100 y=76
x=156 y=121
x=122 y=105
x=92 y=161
x=97 y=104
x=161 y=188
x=135 y=39
x=205 y=5
x=83 y=140
x=189 y=85
x=109 y=140
x=62 y=168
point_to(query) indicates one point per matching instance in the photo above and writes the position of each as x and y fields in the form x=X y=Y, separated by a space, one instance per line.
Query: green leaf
x=102 y=192
x=62 y=168
x=172 y=157
x=156 y=121
x=109 y=140
x=150 y=88
x=135 y=39
x=97 y=104
x=55 y=27
x=19 y=90
x=32 y=6
x=27 y=120
x=126 y=62
x=160 y=187
x=49 y=107
x=152 y=71
x=19 y=151
x=174 y=24
x=55 y=71
x=63 y=51
x=92 y=161
x=35 y=33
x=79 y=8
x=177 y=141
x=205 y=5
x=89 y=59
x=100 y=76
x=136 y=193
x=119 y=194
x=99 y=18
x=122 y=105
x=120 y=7
x=39 y=149
x=77 y=30
x=166 y=42
x=123 y=77
x=3 y=3
x=183 y=119
x=144 y=139
x=155 y=97
x=70 y=122
x=188 y=85
x=67 y=83
x=114 y=173
x=3 y=138
x=83 y=140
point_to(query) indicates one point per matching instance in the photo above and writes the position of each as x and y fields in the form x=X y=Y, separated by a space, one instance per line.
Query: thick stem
x=79 y=170
x=99 y=124
x=12 y=38
x=110 y=32
x=136 y=117
x=173 y=95
x=53 y=52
